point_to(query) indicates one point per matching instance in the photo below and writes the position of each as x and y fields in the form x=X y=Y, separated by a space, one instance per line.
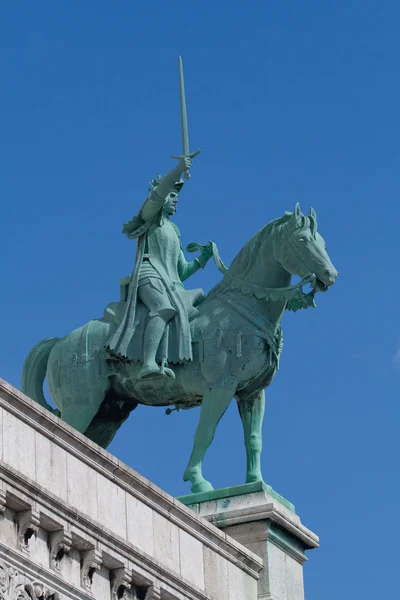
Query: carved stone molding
x=14 y=586
x=37 y=591
x=2 y=503
x=60 y=546
x=153 y=593
x=91 y=562
x=28 y=523
x=8 y=582
x=121 y=580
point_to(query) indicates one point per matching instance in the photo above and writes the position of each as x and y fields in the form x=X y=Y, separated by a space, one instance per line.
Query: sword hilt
x=191 y=155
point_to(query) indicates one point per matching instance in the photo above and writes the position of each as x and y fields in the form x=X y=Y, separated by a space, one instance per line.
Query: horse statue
x=236 y=337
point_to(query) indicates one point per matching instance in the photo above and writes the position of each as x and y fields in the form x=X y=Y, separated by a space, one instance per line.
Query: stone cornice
x=268 y=512
x=285 y=544
x=132 y=482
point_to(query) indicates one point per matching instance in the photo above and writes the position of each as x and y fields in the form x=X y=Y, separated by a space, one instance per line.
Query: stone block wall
x=78 y=523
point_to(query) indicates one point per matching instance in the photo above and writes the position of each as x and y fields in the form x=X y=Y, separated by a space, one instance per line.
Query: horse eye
x=301 y=240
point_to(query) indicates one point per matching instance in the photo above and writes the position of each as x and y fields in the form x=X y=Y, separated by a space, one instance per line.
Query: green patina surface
x=164 y=345
x=236 y=490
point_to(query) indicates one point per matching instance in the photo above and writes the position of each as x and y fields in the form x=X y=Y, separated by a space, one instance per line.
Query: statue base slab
x=266 y=523
x=236 y=490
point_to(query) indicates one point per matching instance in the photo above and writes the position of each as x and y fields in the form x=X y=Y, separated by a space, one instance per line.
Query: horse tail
x=34 y=373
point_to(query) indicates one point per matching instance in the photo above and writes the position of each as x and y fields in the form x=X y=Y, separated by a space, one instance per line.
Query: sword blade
x=185 y=133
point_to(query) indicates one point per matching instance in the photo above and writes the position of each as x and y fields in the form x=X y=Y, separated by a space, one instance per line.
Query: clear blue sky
x=289 y=101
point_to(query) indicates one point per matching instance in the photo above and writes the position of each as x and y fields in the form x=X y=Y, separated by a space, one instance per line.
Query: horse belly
x=187 y=387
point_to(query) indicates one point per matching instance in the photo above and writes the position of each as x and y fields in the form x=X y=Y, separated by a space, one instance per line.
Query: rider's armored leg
x=152 y=338
x=154 y=295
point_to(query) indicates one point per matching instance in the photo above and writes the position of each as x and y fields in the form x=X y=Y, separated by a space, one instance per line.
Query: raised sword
x=184 y=123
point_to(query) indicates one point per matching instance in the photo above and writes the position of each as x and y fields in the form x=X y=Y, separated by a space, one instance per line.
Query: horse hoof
x=202 y=486
x=254 y=478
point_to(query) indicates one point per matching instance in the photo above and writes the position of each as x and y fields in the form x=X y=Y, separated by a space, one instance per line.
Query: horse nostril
x=331 y=274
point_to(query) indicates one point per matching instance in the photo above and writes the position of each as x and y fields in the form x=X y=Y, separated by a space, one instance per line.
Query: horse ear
x=313 y=214
x=313 y=220
x=297 y=216
x=297 y=211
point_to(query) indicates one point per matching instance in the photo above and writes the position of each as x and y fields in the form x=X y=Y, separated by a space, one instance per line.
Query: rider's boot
x=152 y=338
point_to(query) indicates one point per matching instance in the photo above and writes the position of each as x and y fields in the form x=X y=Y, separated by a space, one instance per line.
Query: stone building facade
x=77 y=523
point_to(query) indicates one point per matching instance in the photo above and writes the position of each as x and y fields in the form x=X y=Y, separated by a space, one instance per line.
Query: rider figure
x=157 y=278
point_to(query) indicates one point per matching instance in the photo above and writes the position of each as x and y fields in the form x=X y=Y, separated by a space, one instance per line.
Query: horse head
x=302 y=250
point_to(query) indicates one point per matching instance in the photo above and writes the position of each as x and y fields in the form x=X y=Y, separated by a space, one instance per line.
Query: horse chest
x=238 y=352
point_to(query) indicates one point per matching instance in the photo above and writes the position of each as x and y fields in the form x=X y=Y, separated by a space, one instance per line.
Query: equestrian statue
x=164 y=345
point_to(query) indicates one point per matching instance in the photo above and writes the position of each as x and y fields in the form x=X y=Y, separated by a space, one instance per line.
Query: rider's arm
x=187 y=269
x=158 y=195
x=152 y=206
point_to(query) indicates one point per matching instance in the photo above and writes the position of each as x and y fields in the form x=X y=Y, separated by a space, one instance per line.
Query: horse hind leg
x=252 y=416
x=215 y=402
x=114 y=411
x=83 y=399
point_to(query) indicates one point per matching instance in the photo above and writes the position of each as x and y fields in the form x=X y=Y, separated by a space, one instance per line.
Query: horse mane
x=244 y=260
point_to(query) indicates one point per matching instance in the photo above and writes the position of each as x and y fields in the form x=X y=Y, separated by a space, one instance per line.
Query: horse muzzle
x=326 y=281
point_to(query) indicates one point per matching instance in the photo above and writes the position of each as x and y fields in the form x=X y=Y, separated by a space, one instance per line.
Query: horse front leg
x=215 y=402
x=252 y=415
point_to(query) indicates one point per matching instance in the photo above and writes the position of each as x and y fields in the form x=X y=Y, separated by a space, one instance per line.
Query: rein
x=294 y=296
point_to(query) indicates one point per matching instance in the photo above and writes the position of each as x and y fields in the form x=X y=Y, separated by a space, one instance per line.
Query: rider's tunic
x=162 y=249
x=159 y=257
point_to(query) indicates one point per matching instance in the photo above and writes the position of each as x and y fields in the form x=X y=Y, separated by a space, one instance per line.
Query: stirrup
x=165 y=370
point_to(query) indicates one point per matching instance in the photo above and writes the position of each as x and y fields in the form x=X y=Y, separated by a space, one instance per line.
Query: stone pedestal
x=75 y=522
x=266 y=524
